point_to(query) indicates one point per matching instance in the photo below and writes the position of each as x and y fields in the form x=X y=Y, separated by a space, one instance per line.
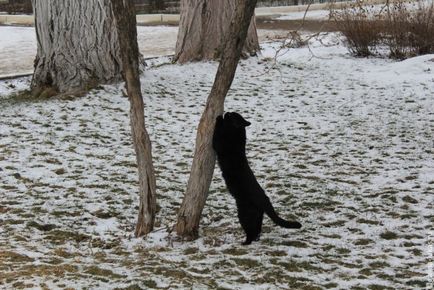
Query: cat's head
x=235 y=120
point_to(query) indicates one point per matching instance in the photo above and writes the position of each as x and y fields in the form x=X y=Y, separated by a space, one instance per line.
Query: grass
x=60 y=237
x=97 y=271
x=41 y=227
x=389 y=235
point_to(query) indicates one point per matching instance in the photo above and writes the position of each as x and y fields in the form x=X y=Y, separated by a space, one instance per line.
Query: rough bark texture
x=204 y=158
x=77 y=45
x=127 y=31
x=202 y=28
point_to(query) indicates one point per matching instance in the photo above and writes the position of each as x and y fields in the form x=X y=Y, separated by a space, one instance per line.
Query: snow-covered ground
x=369 y=9
x=342 y=144
x=18 y=45
x=17 y=49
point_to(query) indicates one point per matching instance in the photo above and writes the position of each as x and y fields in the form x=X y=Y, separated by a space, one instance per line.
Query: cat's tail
x=269 y=210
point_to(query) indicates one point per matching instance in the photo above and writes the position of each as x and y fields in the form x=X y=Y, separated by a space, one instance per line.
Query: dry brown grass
x=410 y=30
x=405 y=28
x=361 y=29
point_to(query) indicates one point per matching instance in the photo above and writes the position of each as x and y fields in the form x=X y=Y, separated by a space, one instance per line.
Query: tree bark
x=127 y=31
x=202 y=28
x=77 y=45
x=204 y=159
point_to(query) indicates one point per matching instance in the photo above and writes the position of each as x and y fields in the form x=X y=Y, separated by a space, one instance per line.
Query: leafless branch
x=293 y=38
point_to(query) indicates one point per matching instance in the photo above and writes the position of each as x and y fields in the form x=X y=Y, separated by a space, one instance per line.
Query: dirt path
x=286 y=25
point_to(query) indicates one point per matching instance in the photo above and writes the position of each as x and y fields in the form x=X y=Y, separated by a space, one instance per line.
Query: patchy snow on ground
x=18 y=45
x=368 y=9
x=17 y=49
x=342 y=144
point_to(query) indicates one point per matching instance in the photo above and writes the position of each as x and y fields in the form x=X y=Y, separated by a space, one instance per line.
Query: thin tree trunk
x=202 y=28
x=77 y=45
x=127 y=31
x=204 y=158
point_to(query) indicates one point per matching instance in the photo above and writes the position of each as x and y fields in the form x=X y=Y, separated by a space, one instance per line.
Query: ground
x=342 y=144
x=18 y=44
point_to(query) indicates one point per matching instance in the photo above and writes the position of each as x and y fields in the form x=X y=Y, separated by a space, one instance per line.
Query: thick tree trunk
x=77 y=45
x=127 y=31
x=204 y=158
x=202 y=28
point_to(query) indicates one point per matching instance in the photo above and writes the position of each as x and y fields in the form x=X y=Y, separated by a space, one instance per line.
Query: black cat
x=229 y=142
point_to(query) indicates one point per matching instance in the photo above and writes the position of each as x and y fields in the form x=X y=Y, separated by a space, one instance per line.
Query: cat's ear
x=241 y=123
x=246 y=123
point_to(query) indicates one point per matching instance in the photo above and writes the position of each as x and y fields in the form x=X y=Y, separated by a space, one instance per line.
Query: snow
x=18 y=45
x=17 y=49
x=342 y=144
x=370 y=9
x=416 y=70
x=156 y=40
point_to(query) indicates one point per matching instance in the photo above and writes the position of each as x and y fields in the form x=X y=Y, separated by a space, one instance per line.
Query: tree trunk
x=127 y=31
x=202 y=28
x=204 y=158
x=77 y=45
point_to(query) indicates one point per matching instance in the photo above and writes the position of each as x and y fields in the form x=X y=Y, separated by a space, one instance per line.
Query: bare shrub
x=406 y=28
x=360 y=27
x=410 y=29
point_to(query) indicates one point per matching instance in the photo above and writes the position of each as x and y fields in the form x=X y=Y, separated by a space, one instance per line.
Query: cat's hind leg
x=251 y=221
x=258 y=226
